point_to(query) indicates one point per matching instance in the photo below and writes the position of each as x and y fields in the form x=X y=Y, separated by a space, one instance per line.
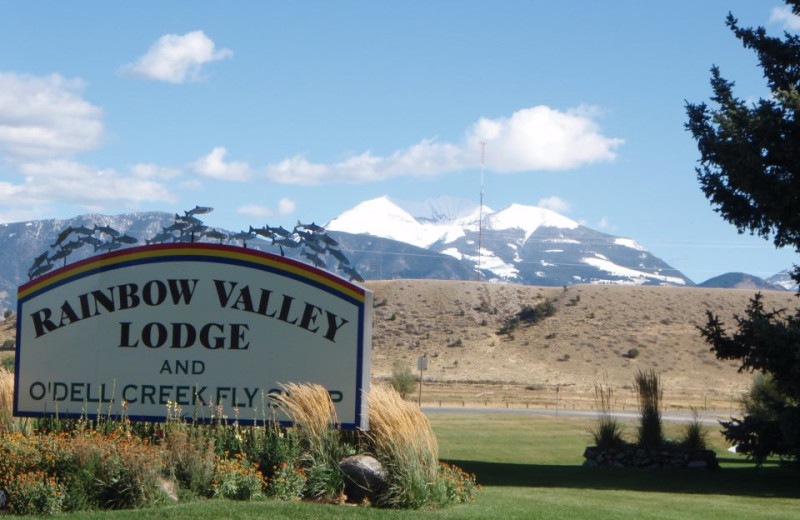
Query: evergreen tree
x=750 y=172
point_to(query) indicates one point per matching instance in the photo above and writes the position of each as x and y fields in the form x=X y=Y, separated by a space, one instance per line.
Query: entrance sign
x=206 y=328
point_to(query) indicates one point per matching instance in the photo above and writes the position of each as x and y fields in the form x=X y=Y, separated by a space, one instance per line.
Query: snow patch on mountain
x=488 y=261
x=454 y=252
x=783 y=279
x=635 y=277
x=627 y=242
x=528 y=218
x=562 y=241
x=384 y=218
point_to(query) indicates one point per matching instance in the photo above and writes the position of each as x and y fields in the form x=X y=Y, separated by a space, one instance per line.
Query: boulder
x=365 y=477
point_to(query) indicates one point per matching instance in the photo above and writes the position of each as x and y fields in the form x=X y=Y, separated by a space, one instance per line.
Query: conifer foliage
x=750 y=171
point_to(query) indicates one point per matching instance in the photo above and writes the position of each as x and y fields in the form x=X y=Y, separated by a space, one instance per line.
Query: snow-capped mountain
x=523 y=244
x=783 y=279
x=741 y=281
x=385 y=239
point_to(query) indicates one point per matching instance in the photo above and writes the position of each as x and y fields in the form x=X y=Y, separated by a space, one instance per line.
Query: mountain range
x=385 y=239
x=741 y=281
x=521 y=244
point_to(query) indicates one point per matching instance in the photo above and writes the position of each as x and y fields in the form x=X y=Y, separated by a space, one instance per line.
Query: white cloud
x=604 y=223
x=214 y=166
x=554 y=204
x=254 y=210
x=538 y=138
x=785 y=16
x=67 y=181
x=176 y=58
x=426 y=158
x=285 y=207
x=45 y=116
x=154 y=171
x=541 y=138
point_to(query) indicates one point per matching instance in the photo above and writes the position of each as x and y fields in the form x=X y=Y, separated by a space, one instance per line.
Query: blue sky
x=277 y=111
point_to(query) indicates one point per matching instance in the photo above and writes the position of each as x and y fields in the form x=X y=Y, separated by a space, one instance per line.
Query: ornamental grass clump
x=7 y=421
x=647 y=385
x=404 y=442
x=6 y=400
x=694 y=433
x=316 y=428
x=607 y=434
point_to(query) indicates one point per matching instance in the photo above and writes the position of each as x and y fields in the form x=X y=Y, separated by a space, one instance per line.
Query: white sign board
x=201 y=326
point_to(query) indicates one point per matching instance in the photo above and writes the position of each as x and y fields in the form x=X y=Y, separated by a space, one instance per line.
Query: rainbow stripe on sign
x=195 y=252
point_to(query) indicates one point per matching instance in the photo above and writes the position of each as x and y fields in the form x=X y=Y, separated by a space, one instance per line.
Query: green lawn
x=530 y=468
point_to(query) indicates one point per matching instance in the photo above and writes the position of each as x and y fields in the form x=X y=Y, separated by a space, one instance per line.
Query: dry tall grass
x=647 y=385
x=404 y=441
x=310 y=408
x=314 y=416
x=608 y=432
x=7 y=422
x=399 y=427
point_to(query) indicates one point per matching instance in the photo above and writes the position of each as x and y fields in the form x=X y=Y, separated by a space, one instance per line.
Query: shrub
x=529 y=315
x=537 y=313
x=35 y=493
x=123 y=471
x=9 y=344
x=287 y=482
x=9 y=363
x=647 y=386
x=237 y=479
x=455 y=486
x=403 y=380
x=189 y=456
x=632 y=353
x=270 y=446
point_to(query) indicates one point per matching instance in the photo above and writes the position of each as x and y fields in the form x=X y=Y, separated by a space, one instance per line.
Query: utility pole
x=480 y=213
x=422 y=364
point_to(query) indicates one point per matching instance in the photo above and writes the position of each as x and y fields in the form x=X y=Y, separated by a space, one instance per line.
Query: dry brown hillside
x=455 y=323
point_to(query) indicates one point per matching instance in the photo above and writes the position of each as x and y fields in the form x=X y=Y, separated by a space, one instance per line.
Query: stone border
x=665 y=458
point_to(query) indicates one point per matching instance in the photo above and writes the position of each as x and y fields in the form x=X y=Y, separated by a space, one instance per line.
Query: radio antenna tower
x=480 y=212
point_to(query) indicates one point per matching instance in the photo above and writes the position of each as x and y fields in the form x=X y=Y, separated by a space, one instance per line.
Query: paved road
x=711 y=418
